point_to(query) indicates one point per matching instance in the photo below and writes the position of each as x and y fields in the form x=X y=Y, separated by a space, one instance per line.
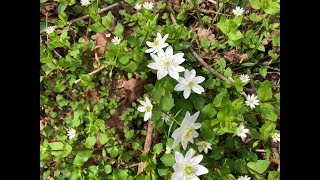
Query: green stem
x=144 y=40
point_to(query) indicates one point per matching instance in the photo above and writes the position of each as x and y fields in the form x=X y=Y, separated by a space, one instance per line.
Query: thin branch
x=93 y=72
x=147 y=145
x=208 y=66
x=87 y=16
x=218 y=12
x=174 y=21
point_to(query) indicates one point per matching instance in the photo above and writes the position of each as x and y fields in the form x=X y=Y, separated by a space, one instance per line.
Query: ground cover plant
x=160 y=89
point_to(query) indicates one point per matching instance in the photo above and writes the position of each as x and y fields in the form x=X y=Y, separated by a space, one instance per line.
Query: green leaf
x=167 y=102
x=263 y=71
x=238 y=84
x=118 y=30
x=67 y=150
x=255 y=4
x=157 y=149
x=197 y=101
x=103 y=138
x=206 y=129
x=106 y=20
x=240 y=166
x=272 y=8
x=235 y=35
x=163 y=172
x=273 y=175
x=56 y=146
x=209 y=110
x=97 y=27
x=119 y=174
x=113 y=151
x=168 y=159
x=59 y=88
x=265 y=91
x=266 y=130
x=81 y=157
x=61 y=8
x=254 y=17
x=222 y=63
x=223 y=24
x=204 y=43
x=227 y=73
x=107 y=169
x=218 y=152
x=61 y=101
x=221 y=99
x=90 y=141
x=129 y=134
x=259 y=166
x=267 y=111
x=131 y=67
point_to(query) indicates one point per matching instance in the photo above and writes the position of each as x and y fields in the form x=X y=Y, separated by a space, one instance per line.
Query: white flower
x=85 y=2
x=238 y=11
x=189 y=82
x=71 y=133
x=242 y=131
x=244 y=177
x=252 y=101
x=188 y=168
x=168 y=150
x=202 y=145
x=165 y=117
x=49 y=30
x=137 y=6
x=148 y=5
x=116 y=40
x=276 y=137
x=244 y=78
x=167 y=63
x=158 y=43
x=147 y=108
x=186 y=132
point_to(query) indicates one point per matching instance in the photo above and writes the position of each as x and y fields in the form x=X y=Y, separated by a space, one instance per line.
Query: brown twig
x=147 y=145
x=174 y=21
x=218 y=12
x=93 y=72
x=208 y=66
x=87 y=16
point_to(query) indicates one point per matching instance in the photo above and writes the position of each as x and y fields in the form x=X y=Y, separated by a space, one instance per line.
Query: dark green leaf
x=259 y=166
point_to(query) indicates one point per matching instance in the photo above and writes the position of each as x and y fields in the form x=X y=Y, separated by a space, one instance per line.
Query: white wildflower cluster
x=168 y=63
x=146 y=5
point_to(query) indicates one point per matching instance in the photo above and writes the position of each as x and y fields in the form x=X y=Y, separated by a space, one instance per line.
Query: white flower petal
x=187 y=74
x=169 y=51
x=150 y=50
x=184 y=144
x=199 y=79
x=178 y=68
x=161 y=74
x=141 y=108
x=179 y=87
x=153 y=65
x=196 y=89
x=179 y=157
x=154 y=57
x=186 y=93
x=194 y=117
x=189 y=154
x=192 y=74
x=164 y=38
x=177 y=175
x=201 y=170
x=179 y=58
x=174 y=74
x=147 y=115
x=196 y=160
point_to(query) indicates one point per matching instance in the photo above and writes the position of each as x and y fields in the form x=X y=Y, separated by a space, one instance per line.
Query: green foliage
x=86 y=86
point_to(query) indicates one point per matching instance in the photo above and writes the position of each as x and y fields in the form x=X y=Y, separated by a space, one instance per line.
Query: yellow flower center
x=190 y=84
x=165 y=62
x=188 y=170
x=148 y=108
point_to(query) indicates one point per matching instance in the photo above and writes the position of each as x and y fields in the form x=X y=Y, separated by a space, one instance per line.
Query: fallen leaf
x=43 y=124
x=101 y=43
x=205 y=34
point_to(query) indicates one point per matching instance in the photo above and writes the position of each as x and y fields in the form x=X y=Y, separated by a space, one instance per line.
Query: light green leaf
x=267 y=111
x=265 y=91
x=107 y=169
x=118 y=30
x=209 y=110
x=255 y=4
x=90 y=141
x=254 y=17
x=67 y=150
x=259 y=166
x=106 y=20
x=97 y=27
x=103 y=138
x=168 y=159
x=235 y=35
x=272 y=8
x=113 y=151
x=167 y=102
x=56 y=146
x=157 y=149
x=81 y=157
x=266 y=130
